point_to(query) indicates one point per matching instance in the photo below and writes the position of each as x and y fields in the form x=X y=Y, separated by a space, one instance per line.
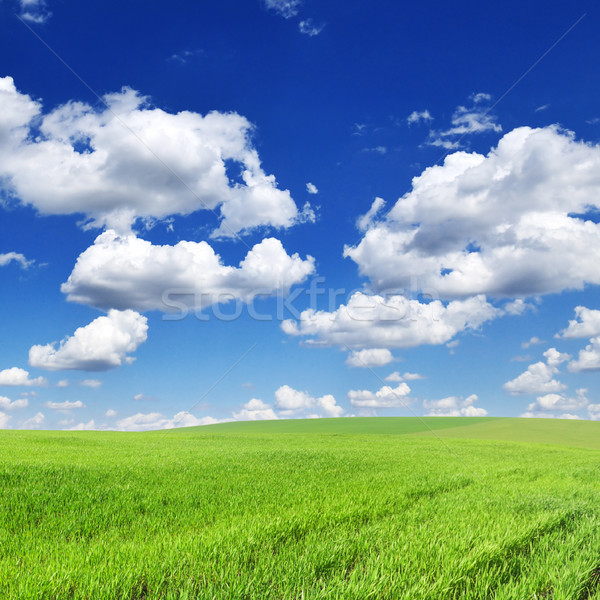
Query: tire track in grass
x=521 y=546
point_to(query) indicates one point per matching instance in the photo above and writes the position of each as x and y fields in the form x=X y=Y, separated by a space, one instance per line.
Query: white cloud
x=390 y=322
x=4 y=420
x=129 y=160
x=454 y=406
x=36 y=421
x=553 y=402
x=110 y=413
x=377 y=150
x=89 y=426
x=128 y=272
x=531 y=342
x=311 y=188
x=504 y=224
x=286 y=8
x=66 y=405
x=373 y=357
x=9 y=257
x=518 y=307
x=255 y=410
x=91 y=383
x=310 y=28
x=365 y=221
x=7 y=404
x=588 y=359
x=290 y=402
x=538 y=379
x=145 y=422
x=103 y=344
x=386 y=397
x=594 y=411
x=481 y=97
x=548 y=415
x=34 y=11
x=63 y=383
x=17 y=377
x=419 y=116
x=585 y=324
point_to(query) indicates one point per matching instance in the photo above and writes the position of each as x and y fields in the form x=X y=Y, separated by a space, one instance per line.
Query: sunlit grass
x=312 y=509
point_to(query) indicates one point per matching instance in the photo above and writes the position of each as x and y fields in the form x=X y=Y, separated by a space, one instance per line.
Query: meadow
x=382 y=508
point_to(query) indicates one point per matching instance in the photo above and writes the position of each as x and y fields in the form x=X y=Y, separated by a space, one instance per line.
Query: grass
x=340 y=508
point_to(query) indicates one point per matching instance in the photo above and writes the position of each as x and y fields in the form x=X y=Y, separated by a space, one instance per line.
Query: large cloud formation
x=125 y=272
x=129 y=160
x=512 y=223
x=103 y=344
x=377 y=321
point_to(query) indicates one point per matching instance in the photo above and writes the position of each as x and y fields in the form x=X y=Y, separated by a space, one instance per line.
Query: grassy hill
x=398 y=508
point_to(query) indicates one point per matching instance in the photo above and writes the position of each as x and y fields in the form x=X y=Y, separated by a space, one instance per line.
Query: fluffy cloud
x=127 y=272
x=99 y=346
x=552 y=402
x=65 y=406
x=4 y=420
x=34 y=11
x=311 y=188
x=255 y=410
x=386 y=397
x=290 y=402
x=89 y=426
x=395 y=376
x=18 y=377
x=129 y=160
x=538 y=379
x=7 y=404
x=9 y=257
x=585 y=324
x=374 y=357
x=588 y=359
x=145 y=422
x=91 y=383
x=286 y=8
x=508 y=224
x=36 y=421
x=392 y=322
x=454 y=406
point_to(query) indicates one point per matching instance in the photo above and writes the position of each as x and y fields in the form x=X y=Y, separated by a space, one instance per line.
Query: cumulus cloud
x=148 y=421
x=255 y=410
x=128 y=160
x=538 y=379
x=390 y=322
x=4 y=420
x=91 y=383
x=19 y=377
x=7 y=404
x=9 y=257
x=103 y=344
x=89 y=426
x=531 y=342
x=110 y=413
x=126 y=272
x=65 y=406
x=585 y=324
x=588 y=358
x=509 y=224
x=35 y=422
x=373 y=357
x=365 y=221
x=554 y=402
x=395 y=376
x=286 y=8
x=34 y=11
x=454 y=406
x=311 y=188
x=291 y=402
x=386 y=397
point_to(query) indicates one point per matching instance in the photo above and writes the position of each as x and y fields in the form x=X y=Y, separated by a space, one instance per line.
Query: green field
x=398 y=508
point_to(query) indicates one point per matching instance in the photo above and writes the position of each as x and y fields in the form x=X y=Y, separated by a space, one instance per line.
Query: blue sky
x=248 y=209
